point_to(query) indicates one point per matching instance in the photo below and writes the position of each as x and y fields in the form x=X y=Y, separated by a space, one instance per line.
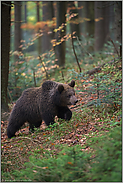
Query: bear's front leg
x=34 y=125
x=48 y=118
x=64 y=113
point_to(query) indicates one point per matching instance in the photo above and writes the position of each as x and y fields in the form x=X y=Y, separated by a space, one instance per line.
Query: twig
x=34 y=77
x=33 y=140
x=9 y=95
x=75 y=55
x=7 y=4
x=115 y=47
x=62 y=75
x=84 y=48
x=43 y=66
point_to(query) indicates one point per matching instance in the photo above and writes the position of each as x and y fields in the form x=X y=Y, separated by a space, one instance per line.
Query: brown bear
x=42 y=103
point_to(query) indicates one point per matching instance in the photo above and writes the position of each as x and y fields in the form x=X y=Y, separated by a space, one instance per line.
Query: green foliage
x=107 y=164
x=72 y=164
x=104 y=86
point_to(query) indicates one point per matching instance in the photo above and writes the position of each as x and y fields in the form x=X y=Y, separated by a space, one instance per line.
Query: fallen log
x=99 y=68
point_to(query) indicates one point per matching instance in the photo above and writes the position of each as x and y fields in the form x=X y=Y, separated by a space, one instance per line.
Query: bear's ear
x=60 y=88
x=72 y=83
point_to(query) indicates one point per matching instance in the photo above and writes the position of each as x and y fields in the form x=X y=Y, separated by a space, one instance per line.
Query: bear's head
x=66 y=94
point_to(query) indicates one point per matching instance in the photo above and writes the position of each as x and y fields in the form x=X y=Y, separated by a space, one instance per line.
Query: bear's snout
x=73 y=100
x=76 y=101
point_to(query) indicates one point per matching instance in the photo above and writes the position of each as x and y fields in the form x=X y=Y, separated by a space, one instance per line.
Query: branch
x=99 y=68
x=10 y=95
x=115 y=47
x=33 y=140
x=7 y=4
x=43 y=66
x=75 y=55
x=84 y=48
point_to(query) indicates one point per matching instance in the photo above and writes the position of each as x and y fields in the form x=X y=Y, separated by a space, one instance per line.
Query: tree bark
x=38 y=20
x=61 y=19
x=118 y=23
x=48 y=14
x=101 y=24
x=17 y=30
x=81 y=5
x=89 y=14
x=5 y=44
x=74 y=22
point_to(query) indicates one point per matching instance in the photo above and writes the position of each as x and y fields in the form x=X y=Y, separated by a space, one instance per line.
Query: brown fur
x=42 y=103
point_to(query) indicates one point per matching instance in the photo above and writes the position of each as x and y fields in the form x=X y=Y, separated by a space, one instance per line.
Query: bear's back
x=49 y=85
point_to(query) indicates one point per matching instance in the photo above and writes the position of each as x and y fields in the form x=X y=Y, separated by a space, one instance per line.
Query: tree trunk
x=61 y=19
x=17 y=31
x=48 y=14
x=99 y=25
x=17 y=37
x=81 y=5
x=38 y=20
x=118 y=23
x=74 y=22
x=89 y=15
x=5 y=43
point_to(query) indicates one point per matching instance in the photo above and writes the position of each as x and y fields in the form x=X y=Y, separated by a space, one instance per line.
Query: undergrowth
x=101 y=163
x=88 y=148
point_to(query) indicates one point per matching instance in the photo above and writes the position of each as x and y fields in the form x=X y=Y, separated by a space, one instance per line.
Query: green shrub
x=74 y=165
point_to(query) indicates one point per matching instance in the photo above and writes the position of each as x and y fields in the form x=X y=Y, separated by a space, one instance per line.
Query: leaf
x=70 y=163
x=34 y=171
x=21 y=148
x=46 y=167
x=98 y=19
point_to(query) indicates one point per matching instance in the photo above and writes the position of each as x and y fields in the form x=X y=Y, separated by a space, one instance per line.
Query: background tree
x=48 y=14
x=118 y=23
x=74 y=22
x=61 y=19
x=101 y=23
x=25 y=17
x=17 y=37
x=5 y=43
x=38 y=20
x=17 y=31
x=81 y=5
x=89 y=17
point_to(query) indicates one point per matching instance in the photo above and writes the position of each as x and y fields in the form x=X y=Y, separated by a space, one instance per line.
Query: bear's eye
x=69 y=96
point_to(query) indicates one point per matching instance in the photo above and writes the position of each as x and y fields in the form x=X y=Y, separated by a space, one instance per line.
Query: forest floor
x=89 y=123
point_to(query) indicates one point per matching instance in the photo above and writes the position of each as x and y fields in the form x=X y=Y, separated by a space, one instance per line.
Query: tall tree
x=61 y=19
x=81 y=16
x=17 y=36
x=118 y=22
x=74 y=22
x=48 y=14
x=89 y=17
x=5 y=43
x=38 y=20
x=101 y=24
x=17 y=30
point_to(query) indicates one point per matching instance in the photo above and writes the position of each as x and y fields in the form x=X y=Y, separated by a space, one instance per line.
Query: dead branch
x=17 y=138
x=10 y=95
x=115 y=47
x=99 y=68
x=84 y=48
x=75 y=55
